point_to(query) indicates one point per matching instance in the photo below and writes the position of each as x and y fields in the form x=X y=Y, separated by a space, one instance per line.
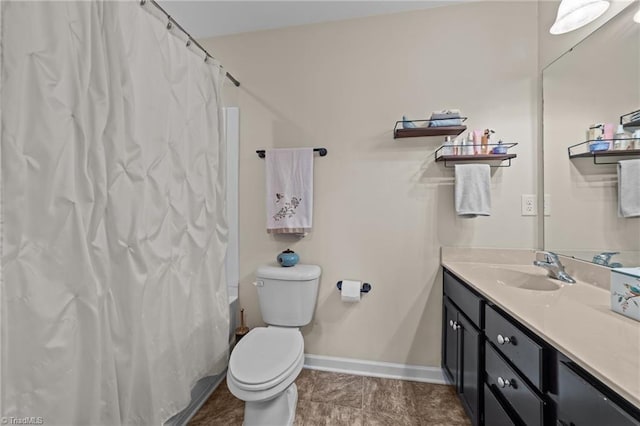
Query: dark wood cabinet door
x=581 y=404
x=469 y=339
x=450 y=343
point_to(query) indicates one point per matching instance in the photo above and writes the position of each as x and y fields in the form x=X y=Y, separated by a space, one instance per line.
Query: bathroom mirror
x=595 y=82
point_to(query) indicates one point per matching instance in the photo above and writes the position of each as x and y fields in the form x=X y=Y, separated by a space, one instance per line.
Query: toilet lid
x=265 y=354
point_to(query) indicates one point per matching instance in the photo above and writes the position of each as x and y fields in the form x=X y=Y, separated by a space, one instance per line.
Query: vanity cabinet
x=581 y=403
x=462 y=344
x=507 y=375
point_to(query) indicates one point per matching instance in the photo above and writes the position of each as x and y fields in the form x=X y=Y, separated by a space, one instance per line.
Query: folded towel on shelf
x=473 y=189
x=445 y=118
x=407 y=124
x=289 y=176
x=629 y=188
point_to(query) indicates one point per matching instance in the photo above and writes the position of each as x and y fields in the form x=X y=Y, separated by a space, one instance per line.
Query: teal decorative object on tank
x=288 y=258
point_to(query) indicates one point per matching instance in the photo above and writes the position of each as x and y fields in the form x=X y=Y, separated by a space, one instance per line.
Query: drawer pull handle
x=503 y=339
x=504 y=382
x=454 y=324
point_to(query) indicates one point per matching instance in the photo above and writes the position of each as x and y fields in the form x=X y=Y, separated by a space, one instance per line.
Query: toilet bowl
x=266 y=362
x=262 y=370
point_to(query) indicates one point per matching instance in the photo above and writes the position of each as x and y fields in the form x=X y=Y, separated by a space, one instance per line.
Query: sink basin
x=534 y=280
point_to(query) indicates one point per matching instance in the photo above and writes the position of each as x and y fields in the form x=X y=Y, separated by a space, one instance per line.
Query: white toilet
x=266 y=362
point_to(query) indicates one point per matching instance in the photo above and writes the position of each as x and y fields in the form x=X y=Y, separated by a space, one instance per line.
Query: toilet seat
x=266 y=357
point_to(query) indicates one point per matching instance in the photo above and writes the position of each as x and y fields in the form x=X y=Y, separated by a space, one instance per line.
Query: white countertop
x=575 y=319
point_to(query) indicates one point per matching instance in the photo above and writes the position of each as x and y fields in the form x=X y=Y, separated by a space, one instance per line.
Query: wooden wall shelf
x=428 y=131
x=607 y=154
x=476 y=158
x=424 y=130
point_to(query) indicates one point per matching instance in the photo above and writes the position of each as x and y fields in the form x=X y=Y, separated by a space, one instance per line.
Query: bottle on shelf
x=468 y=147
x=636 y=139
x=456 y=147
x=477 y=141
x=485 y=140
x=472 y=147
x=447 y=148
x=621 y=140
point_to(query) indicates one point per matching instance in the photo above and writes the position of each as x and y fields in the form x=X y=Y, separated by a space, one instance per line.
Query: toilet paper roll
x=351 y=291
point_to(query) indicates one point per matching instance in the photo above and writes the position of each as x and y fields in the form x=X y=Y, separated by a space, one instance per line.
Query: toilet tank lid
x=292 y=273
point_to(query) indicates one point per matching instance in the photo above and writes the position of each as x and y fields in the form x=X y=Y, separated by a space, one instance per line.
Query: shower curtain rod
x=173 y=22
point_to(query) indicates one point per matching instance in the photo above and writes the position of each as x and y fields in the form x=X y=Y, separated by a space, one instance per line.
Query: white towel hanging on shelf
x=473 y=190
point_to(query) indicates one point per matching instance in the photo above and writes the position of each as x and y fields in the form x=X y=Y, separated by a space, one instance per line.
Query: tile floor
x=341 y=399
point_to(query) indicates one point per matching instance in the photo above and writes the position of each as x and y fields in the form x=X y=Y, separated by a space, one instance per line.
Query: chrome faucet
x=554 y=268
x=605 y=257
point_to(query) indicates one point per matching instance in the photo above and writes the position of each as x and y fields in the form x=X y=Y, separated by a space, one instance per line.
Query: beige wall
x=383 y=208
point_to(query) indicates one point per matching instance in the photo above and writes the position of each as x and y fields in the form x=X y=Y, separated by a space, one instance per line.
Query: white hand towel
x=289 y=190
x=629 y=188
x=473 y=193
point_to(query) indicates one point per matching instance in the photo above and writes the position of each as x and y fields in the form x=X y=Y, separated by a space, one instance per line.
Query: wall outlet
x=529 y=205
x=547 y=205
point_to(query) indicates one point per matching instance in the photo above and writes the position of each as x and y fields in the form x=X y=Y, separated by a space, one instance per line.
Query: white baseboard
x=386 y=370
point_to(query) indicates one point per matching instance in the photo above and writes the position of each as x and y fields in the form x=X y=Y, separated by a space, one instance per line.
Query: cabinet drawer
x=581 y=404
x=515 y=345
x=494 y=414
x=504 y=380
x=465 y=299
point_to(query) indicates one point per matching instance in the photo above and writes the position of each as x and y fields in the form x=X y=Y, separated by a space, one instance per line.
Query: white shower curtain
x=114 y=300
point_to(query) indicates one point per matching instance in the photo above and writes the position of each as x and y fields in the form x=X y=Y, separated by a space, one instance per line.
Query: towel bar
x=321 y=151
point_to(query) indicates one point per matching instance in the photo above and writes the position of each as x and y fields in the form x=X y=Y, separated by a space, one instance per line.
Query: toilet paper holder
x=366 y=287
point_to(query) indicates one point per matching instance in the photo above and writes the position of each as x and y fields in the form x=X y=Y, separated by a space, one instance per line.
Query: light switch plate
x=529 y=205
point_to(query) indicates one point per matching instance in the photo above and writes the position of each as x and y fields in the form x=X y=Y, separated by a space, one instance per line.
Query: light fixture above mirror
x=573 y=14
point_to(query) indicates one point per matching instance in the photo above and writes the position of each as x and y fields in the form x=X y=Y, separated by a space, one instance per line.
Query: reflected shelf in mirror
x=631 y=121
x=586 y=150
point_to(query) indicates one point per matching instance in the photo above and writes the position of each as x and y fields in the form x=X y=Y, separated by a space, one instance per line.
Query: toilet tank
x=288 y=296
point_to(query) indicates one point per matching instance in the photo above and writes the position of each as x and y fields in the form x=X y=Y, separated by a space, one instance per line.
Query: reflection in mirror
x=596 y=82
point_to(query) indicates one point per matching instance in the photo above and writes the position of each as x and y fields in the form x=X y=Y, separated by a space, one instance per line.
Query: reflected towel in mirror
x=629 y=188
